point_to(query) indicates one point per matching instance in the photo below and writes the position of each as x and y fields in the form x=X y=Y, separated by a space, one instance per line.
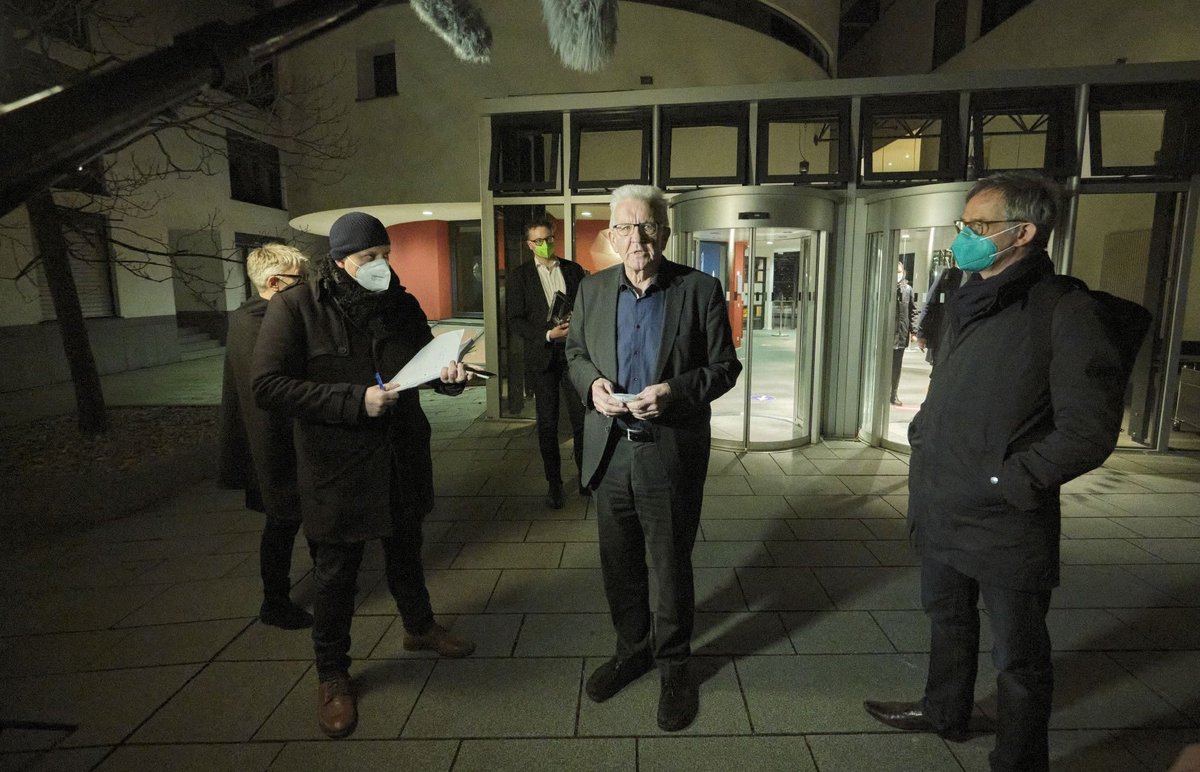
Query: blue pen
x=379 y=380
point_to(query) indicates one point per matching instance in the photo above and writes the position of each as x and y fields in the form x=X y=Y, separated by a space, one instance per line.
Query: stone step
x=200 y=352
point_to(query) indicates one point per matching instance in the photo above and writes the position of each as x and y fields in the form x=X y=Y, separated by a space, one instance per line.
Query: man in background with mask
x=1027 y=394
x=528 y=300
x=363 y=455
x=902 y=330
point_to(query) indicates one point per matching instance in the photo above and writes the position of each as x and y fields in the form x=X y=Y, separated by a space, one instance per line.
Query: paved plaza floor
x=133 y=644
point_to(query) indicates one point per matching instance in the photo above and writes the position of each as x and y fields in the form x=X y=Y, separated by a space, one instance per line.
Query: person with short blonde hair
x=274 y=260
x=257 y=453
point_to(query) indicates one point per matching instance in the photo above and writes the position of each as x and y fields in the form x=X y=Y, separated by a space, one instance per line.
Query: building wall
x=423 y=144
x=420 y=256
x=1046 y=33
x=192 y=210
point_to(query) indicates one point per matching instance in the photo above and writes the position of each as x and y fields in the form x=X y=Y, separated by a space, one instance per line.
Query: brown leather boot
x=337 y=709
x=439 y=639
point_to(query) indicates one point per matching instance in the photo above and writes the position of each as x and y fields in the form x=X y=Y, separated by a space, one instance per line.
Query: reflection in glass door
x=1126 y=244
x=770 y=274
x=767 y=247
x=908 y=241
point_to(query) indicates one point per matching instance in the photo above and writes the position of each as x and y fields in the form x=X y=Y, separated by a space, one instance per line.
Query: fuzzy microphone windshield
x=460 y=24
x=582 y=32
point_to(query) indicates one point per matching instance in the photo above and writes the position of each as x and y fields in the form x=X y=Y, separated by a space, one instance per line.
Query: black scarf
x=377 y=313
x=979 y=297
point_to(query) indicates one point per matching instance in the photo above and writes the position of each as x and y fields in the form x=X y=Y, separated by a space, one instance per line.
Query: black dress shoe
x=554 y=496
x=910 y=717
x=678 y=700
x=282 y=613
x=615 y=674
x=897 y=402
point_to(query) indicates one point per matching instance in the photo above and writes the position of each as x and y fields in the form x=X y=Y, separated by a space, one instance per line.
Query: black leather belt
x=633 y=435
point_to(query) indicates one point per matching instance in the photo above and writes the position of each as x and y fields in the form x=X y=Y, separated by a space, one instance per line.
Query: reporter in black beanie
x=363 y=456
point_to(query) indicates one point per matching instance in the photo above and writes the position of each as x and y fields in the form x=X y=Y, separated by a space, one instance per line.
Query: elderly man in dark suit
x=649 y=349
x=529 y=298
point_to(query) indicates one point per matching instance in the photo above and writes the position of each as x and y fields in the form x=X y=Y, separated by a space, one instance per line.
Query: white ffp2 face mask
x=374 y=276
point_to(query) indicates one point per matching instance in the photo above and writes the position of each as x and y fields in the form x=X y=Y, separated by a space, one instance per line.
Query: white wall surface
x=422 y=145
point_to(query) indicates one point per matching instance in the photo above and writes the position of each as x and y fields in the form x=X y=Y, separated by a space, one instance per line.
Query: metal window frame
x=1059 y=106
x=803 y=111
x=951 y=153
x=723 y=114
x=635 y=119
x=1181 y=103
x=546 y=123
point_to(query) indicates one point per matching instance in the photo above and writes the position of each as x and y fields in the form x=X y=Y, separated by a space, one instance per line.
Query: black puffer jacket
x=1027 y=393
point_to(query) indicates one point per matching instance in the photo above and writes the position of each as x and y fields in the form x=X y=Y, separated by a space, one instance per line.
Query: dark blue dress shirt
x=639 y=337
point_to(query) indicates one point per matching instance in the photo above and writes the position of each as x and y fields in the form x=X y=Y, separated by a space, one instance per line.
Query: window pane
x=466 y=250
x=793 y=146
x=704 y=151
x=525 y=153
x=385 y=74
x=1131 y=137
x=905 y=145
x=1014 y=141
x=610 y=155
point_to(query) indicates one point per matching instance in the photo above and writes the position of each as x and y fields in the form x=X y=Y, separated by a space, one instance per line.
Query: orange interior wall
x=420 y=256
x=738 y=304
x=586 y=232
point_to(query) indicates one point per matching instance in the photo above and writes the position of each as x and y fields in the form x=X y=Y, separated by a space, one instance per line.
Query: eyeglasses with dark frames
x=975 y=225
x=625 y=230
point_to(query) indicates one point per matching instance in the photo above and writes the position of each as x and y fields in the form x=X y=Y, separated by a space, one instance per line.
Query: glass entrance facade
x=771 y=273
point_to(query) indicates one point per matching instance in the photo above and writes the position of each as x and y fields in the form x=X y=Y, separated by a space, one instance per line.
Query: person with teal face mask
x=1027 y=393
x=529 y=299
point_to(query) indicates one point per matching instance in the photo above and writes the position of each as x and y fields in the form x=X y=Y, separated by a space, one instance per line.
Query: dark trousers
x=638 y=511
x=550 y=387
x=336 y=574
x=275 y=556
x=897 y=366
x=1020 y=652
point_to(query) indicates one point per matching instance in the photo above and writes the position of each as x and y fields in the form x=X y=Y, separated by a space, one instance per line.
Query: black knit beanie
x=355 y=232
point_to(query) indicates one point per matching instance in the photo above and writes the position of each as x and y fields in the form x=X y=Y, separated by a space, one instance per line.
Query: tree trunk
x=52 y=248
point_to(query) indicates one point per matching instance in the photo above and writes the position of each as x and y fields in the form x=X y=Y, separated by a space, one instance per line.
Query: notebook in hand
x=560 y=309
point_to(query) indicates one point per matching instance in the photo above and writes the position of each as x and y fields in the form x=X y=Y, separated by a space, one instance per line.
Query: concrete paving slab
x=883 y=753
x=762 y=754
x=594 y=755
x=497 y=698
x=250 y=757
x=835 y=632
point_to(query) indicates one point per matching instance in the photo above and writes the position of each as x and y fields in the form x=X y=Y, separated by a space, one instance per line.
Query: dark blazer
x=256 y=449
x=1027 y=393
x=696 y=358
x=526 y=309
x=311 y=363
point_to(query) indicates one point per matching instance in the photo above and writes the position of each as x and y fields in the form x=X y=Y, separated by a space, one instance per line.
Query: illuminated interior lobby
x=806 y=147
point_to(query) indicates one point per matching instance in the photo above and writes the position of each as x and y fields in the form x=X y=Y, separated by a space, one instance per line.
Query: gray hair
x=648 y=193
x=1027 y=197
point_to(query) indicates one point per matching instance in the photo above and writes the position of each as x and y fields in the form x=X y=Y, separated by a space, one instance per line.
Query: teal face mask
x=973 y=252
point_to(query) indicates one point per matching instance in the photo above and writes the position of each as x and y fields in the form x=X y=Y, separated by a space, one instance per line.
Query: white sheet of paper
x=427 y=365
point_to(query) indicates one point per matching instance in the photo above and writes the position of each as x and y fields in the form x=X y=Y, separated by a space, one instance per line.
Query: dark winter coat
x=256 y=449
x=1027 y=393
x=313 y=363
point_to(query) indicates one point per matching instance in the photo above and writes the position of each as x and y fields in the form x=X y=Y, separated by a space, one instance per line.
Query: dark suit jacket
x=696 y=358
x=527 y=310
